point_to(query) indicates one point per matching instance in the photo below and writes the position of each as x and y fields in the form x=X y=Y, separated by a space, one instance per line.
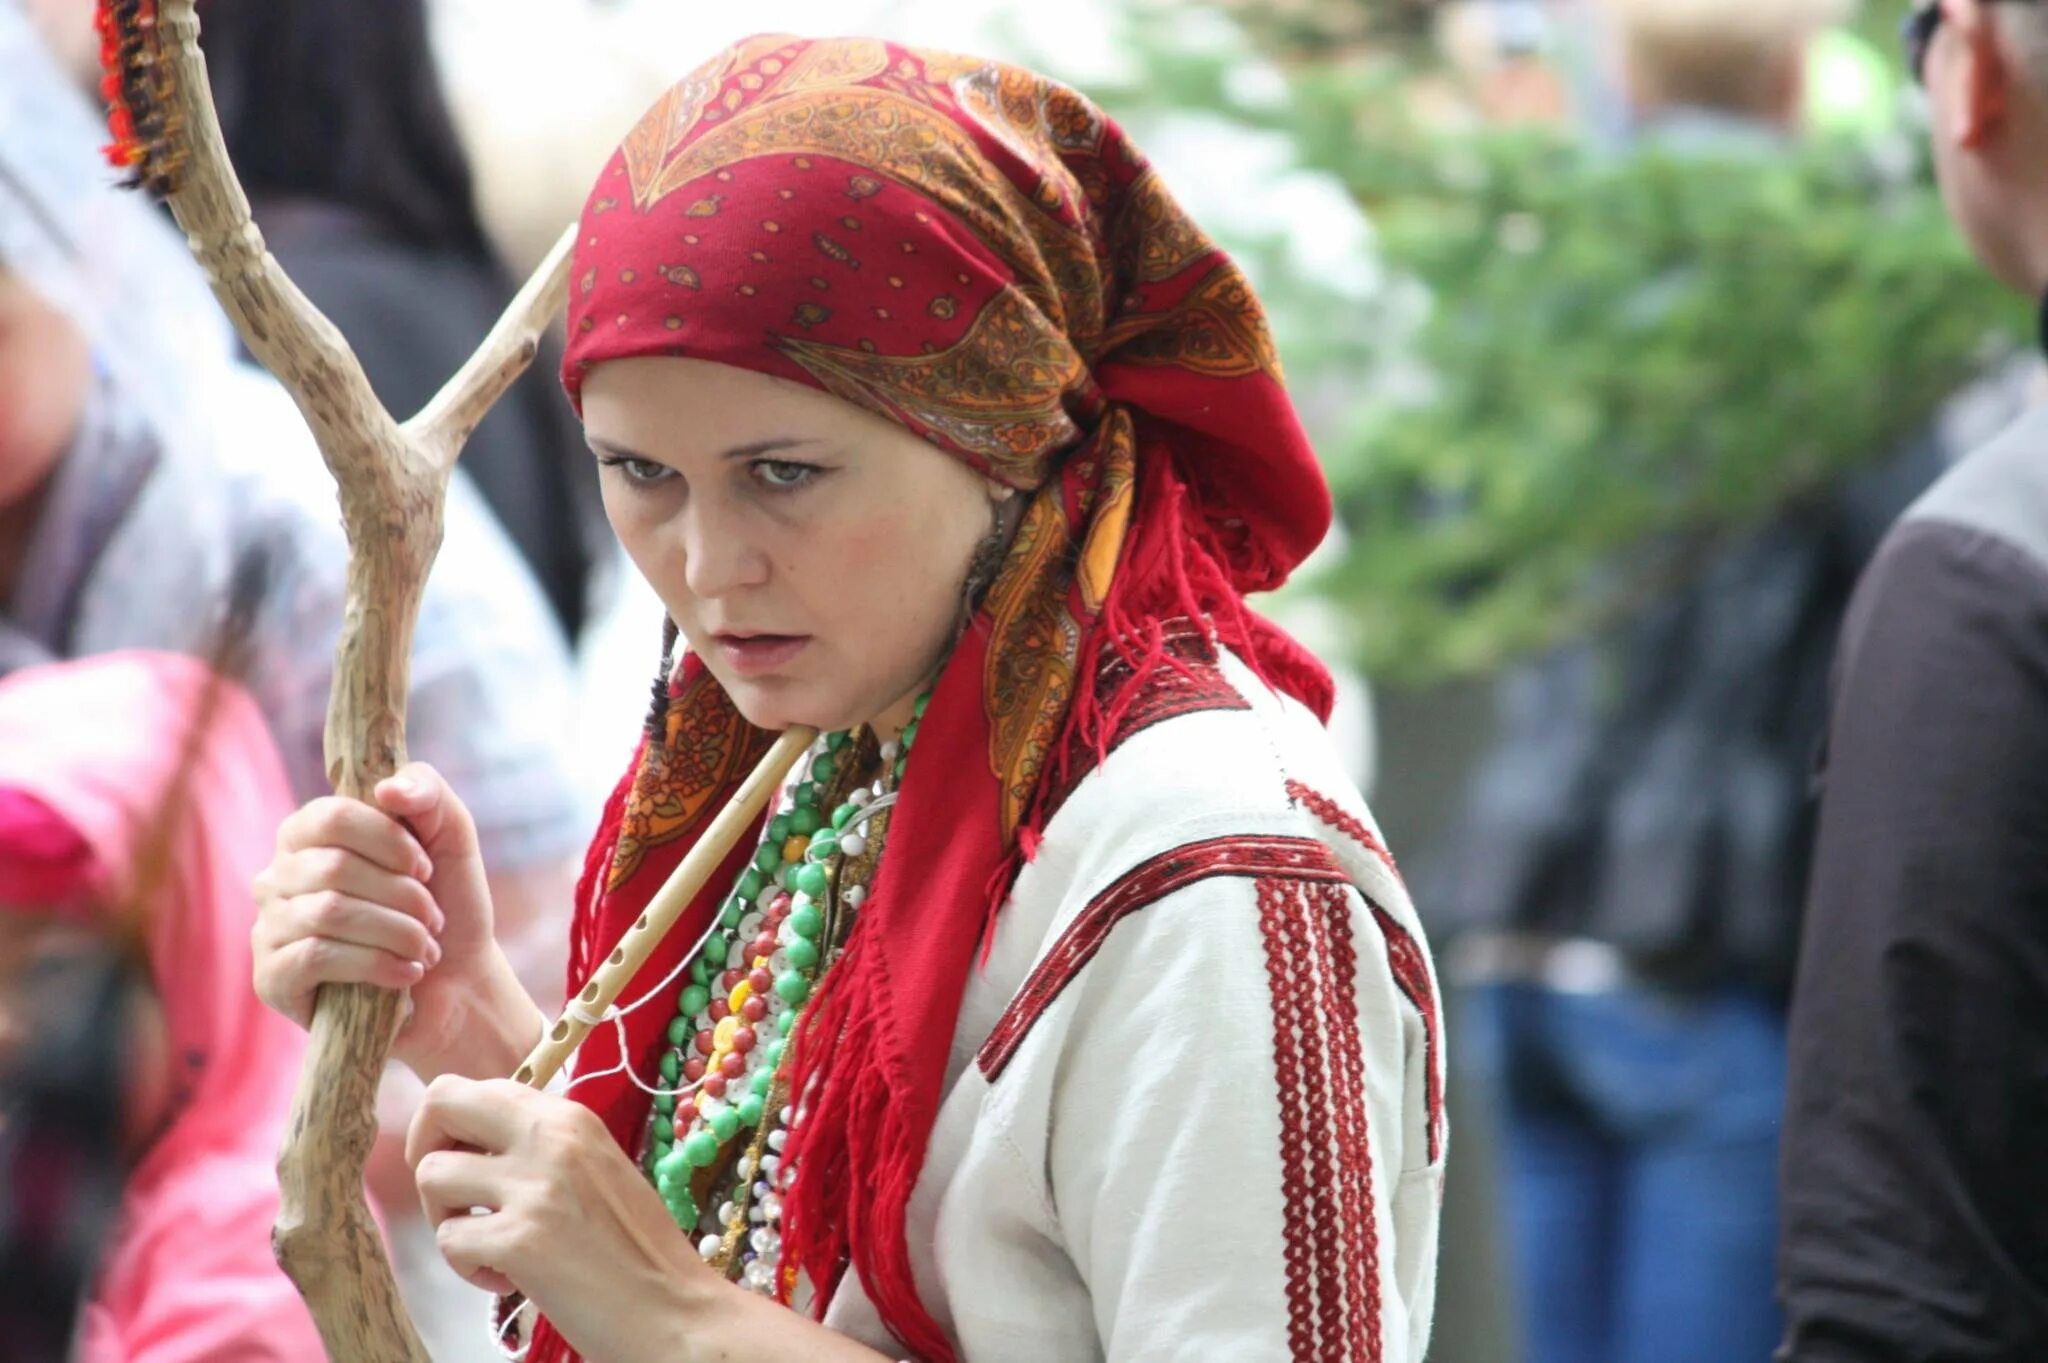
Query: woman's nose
x=720 y=556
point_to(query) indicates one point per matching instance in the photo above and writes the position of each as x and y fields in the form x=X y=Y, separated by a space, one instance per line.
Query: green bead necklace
x=722 y=1076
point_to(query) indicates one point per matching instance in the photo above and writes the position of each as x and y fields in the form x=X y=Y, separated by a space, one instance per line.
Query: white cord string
x=576 y=1011
x=505 y=1327
x=617 y=1015
x=868 y=811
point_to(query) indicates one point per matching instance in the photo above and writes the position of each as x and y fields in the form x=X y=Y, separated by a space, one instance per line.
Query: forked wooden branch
x=445 y=424
x=393 y=483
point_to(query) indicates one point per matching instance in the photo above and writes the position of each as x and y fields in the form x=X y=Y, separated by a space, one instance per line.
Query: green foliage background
x=1618 y=355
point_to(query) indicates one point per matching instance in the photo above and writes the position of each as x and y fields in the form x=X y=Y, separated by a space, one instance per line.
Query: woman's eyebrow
x=606 y=447
x=751 y=450
x=755 y=449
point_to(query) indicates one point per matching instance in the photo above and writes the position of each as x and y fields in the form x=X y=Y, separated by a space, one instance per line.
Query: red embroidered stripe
x=1317 y=1101
x=1332 y=1249
x=1295 y=1136
x=1411 y=972
x=1405 y=956
x=1354 y=1152
x=1195 y=684
x=1147 y=883
x=1341 y=819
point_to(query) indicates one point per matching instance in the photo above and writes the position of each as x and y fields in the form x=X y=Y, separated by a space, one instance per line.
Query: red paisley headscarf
x=976 y=253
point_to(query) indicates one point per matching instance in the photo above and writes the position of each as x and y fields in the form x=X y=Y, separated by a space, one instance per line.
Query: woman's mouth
x=753 y=655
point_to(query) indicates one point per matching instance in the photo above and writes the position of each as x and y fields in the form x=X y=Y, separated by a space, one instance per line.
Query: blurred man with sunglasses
x=1915 y=1185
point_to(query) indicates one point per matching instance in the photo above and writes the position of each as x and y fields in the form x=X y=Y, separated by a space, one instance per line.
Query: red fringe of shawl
x=596 y=864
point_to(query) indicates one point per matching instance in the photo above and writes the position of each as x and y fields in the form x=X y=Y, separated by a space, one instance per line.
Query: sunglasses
x=1916 y=35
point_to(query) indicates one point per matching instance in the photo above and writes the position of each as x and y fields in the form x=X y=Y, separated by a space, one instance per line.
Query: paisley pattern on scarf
x=996 y=394
x=678 y=787
x=1030 y=672
x=1153 y=239
x=1207 y=331
x=912 y=144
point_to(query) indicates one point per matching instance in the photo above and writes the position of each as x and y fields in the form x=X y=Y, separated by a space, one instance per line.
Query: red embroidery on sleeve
x=1411 y=972
x=1405 y=957
x=1330 y=1245
x=1142 y=886
x=1296 y=1190
x=1319 y=1068
x=1342 y=820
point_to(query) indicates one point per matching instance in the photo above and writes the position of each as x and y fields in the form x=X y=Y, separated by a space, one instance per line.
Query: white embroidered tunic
x=1194 y=1102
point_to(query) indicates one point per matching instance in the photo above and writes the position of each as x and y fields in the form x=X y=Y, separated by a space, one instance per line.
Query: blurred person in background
x=1627 y=877
x=335 y=119
x=340 y=128
x=1915 y=1193
x=1736 y=68
x=139 y=460
x=136 y=791
x=1502 y=53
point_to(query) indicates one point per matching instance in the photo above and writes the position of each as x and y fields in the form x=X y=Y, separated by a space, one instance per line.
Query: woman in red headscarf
x=1068 y=1005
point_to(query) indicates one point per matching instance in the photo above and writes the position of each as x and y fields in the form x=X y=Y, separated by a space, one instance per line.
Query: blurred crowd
x=1745 y=1029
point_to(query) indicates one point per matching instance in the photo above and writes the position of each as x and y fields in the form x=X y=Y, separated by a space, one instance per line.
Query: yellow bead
x=743 y=991
x=722 y=1034
x=793 y=850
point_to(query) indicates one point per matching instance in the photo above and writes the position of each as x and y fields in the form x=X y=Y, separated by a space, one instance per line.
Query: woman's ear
x=1985 y=80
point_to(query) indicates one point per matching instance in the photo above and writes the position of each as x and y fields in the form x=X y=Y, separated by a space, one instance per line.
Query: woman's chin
x=777 y=703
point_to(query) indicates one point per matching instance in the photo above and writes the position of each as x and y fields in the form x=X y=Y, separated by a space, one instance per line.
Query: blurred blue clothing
x=1640 y=1136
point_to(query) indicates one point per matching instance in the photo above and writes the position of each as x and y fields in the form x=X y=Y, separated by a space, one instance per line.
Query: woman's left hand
x=568 y=1220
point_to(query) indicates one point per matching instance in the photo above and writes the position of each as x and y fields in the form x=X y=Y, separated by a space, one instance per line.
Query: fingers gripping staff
x=392 y=480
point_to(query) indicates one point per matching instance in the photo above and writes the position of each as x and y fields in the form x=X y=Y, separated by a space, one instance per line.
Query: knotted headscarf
x=976 y=253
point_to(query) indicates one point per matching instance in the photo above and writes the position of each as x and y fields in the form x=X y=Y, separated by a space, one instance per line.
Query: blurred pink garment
x=189 y=1276
x=46 y=865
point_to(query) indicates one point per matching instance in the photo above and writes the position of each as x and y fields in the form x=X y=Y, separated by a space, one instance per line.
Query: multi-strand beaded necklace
x=722 y=1111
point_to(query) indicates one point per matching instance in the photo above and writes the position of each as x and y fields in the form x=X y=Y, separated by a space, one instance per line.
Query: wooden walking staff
x=393 y=482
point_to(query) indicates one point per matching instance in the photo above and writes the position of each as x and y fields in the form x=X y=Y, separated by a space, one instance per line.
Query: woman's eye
x=782 y=475
x=640 y=470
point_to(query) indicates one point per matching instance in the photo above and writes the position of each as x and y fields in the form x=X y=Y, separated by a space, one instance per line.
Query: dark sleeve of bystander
x=1915 y=1174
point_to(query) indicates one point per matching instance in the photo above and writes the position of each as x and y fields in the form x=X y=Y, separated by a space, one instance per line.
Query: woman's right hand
x=394 y=895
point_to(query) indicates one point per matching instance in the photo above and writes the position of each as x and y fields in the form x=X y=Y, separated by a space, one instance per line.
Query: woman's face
x=812 y=553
